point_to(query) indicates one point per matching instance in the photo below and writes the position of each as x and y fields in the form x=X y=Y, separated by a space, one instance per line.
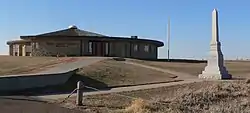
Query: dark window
x=90 y=47
x=106 y=48
x=146 y=48
x=135 y=47
x=28 y=54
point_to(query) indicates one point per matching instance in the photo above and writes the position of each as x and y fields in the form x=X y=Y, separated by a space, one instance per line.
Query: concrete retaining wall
x=21 y=82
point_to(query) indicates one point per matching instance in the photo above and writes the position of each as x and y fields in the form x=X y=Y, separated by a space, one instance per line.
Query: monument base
x=215 y=72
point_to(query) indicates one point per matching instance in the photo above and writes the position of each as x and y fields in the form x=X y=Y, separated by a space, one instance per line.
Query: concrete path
x=116 y=90
x=181 y=76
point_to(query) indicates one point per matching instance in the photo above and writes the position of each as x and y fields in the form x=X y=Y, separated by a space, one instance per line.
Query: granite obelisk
x=215 y=68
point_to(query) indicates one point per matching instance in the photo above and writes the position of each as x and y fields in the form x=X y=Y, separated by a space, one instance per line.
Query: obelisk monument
x=215 y=68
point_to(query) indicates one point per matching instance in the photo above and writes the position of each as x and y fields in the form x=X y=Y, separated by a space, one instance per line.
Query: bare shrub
x=138 y=106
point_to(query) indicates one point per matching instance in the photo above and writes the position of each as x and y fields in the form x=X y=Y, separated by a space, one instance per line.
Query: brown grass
x=236 y=68
x=21 y=64
x=201 y=97
x=137 y=106
x=115 y=73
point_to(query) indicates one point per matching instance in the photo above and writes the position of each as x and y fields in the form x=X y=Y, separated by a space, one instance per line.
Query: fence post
x=79 y=96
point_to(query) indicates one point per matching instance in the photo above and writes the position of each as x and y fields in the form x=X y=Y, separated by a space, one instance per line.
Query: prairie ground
x=208 y=97
x=235 y=68
x=200 y=97
x=107 y=74
x=118 y=73
x=24 y=64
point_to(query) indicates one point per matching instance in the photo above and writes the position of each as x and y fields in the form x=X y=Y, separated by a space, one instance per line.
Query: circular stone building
x=76 y=42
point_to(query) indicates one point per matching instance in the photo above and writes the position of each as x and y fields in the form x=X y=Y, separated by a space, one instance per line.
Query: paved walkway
x=181 y=76
x=116 y=90
x=178 y=74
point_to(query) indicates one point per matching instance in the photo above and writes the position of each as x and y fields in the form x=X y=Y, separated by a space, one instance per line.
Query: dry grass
x=137 y=106
x=236 y=68
x=115 y=73
x=201 y=97
x=21 y=65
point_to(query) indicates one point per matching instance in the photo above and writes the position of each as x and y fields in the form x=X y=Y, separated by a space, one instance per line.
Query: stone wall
x=81 y=47
x=54 y=48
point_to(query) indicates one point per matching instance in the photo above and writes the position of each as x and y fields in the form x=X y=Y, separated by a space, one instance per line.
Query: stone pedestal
x=215 y=68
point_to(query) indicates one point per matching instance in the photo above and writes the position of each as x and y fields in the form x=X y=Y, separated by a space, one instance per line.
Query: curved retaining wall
x=21 y=82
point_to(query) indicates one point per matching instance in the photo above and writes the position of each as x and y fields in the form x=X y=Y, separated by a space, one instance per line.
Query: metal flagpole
x=168 y=38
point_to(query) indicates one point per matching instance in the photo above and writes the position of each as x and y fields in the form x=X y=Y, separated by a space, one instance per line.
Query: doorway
x=99 y=48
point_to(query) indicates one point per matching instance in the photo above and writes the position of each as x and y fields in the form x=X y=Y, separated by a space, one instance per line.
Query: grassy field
x=108 y=73
x=210 y=96
x=115 y=73
x=21 y=65
x=236 y=68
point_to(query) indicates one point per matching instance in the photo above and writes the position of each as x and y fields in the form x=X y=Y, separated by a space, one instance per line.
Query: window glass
x=146 y=48
x=135 y=47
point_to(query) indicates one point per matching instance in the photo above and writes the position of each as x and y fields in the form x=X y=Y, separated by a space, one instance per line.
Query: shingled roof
x=74 y=32
x=71 y=31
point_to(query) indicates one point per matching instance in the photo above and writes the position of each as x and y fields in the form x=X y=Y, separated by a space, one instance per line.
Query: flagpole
x=168 y=38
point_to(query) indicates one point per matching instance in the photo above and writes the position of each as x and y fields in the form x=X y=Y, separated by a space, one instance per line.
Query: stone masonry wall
x=54 y=48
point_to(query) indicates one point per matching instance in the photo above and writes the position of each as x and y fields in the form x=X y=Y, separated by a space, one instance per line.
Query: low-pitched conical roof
x=71 y=31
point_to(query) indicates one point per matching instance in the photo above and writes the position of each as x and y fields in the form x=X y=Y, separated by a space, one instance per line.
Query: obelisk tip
x=215 y=10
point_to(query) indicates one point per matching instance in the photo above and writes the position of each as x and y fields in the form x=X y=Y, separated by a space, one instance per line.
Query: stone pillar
x=24 y=50
x=11 y=50
x=20 y=49
x=215 y=68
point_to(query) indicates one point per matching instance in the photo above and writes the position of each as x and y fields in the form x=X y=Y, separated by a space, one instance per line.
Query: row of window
x=146 y=48
x=20 y=54
x=62 y=44
x=106 y=48
x=136 y=47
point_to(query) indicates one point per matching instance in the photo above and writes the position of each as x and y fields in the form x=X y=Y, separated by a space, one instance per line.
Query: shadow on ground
x=68 y=87
x=71 y=85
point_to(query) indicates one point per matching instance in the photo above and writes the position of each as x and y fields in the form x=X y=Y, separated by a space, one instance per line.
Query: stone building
x=76 y=42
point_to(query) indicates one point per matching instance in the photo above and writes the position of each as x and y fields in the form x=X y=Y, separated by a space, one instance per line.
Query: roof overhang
x=17 y=41
x=155 y=42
